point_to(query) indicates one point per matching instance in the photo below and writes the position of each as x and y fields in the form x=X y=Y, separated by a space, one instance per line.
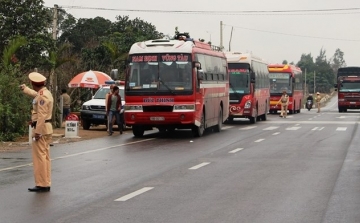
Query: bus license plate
x=157 y=118
x=352 y=102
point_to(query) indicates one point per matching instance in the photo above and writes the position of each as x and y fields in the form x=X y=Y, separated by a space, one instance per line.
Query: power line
x=243 y=12
x=288 y=34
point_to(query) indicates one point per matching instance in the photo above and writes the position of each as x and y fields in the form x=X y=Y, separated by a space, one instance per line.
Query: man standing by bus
x=284 y=100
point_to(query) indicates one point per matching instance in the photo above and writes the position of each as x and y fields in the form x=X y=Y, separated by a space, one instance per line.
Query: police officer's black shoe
x=39 y=189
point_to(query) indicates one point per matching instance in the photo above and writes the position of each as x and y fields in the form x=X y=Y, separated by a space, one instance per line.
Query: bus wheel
x=220 y=121
x=198 y=131
x=254 y=119
x=264 y=116
x=138 y=131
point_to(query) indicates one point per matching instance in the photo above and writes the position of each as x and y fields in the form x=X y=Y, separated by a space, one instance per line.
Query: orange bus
x=289 y=78
x=249 y=87
x=176 y=84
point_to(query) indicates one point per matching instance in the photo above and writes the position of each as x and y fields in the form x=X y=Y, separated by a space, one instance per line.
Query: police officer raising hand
x=42 y=130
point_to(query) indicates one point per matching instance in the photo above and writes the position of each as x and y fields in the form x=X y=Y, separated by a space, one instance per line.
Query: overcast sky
x=270 y=36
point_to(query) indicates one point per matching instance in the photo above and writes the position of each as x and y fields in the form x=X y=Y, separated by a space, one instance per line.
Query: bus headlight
x=133 y=108
x=247 y=104
x=184 y=107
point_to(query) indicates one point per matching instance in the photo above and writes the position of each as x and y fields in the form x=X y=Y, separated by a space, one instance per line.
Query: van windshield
x=101 y=93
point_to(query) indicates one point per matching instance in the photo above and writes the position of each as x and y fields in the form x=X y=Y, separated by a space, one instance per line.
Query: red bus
x=176 y=84
x=249 y=87
x=289 y=78
x=348 y=87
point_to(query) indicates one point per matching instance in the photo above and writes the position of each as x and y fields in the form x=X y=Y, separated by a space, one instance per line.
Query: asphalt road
x=301 y=169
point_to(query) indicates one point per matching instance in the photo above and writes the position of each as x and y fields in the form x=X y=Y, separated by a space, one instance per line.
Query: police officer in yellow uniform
x=318 y=100
x=284 y=100
x=42 y=131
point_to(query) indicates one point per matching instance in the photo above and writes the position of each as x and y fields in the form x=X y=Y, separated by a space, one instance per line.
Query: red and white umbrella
x=89 y=79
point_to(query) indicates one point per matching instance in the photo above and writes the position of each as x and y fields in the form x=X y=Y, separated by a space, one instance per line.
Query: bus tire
x=138 y=131
x=198 y=131
x=254 y=119
x=264 y=116
x=220 y=121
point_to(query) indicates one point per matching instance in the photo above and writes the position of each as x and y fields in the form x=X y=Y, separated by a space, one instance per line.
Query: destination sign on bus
x=160 y=57
x=238 y=71
x=279 y=75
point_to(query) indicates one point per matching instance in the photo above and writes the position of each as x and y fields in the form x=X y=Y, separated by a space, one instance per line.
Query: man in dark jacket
x=113 y=109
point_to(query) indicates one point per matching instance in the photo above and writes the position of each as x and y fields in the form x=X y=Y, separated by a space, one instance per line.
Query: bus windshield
x=280 y=82
x=239 y=78
x=350 y=87
x=160 y=73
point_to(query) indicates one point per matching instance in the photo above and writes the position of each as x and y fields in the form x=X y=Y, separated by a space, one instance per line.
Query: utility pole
x=314 y=81
x=53 y=76
x=305 y=83
x=232 y=28
x=221 y=35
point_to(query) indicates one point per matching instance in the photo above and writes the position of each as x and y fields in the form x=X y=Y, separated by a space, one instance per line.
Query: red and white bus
x=249 y=87
x=179 y=83
x=289 y=78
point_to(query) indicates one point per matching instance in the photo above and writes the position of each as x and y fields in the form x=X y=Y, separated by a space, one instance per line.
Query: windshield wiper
x=162 y=82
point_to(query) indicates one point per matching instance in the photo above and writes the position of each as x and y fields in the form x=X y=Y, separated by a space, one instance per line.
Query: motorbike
x=309 y=104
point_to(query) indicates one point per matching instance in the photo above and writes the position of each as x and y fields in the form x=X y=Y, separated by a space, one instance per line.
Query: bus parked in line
x=348 y=87
x=248 y=86
x=287 y=78
x=176 y=84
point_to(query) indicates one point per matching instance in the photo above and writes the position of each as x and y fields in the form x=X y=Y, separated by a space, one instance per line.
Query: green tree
x=29 y=19
x=324 y=74
x=285 y=62
x=307 y=66
x=15 y=112
x=337 y=61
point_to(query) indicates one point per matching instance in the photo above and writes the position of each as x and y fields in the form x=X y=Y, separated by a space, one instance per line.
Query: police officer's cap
x=37 y=77
x=317 y=93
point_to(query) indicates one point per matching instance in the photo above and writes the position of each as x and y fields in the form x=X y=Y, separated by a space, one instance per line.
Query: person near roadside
x=66 y=103
x=42 y=130
x=284 y=100
x=318 y=100
x=106 y=104
x=113 y=109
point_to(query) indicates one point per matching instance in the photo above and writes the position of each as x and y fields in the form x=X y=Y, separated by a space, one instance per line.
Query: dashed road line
x=247 y=128
x=276 y=133
x=134 y=194
x=271 y=128
x=259 y=140
x=341 y=128
x=199 y=166
x=227 y=127
x=293 y=128
x=236 y=150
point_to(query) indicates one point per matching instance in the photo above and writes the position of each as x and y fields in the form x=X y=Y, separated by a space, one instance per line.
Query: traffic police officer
x=42 y=130
x=318 y=100
x=284 y=100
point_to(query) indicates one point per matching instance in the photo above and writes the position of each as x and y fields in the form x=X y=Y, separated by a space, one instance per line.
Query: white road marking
x=310 y=118
x=271 y=128
x=247 y=128
x=317 y=128
x=293 y=128
x=321 y=128
x=259 y=140
x=78 y=154
x=227 y=127
x=341 y=117
x=236 y=150
x=314 y=128
x=276 y=133
x=198 y=166
x=315 y=122
x=297 y=124
x=341 y=128
x=134 y=194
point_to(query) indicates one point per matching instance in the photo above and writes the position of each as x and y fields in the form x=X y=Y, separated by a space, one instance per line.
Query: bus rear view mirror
x=335 y=85
x=252 y=77
x=200 y=75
